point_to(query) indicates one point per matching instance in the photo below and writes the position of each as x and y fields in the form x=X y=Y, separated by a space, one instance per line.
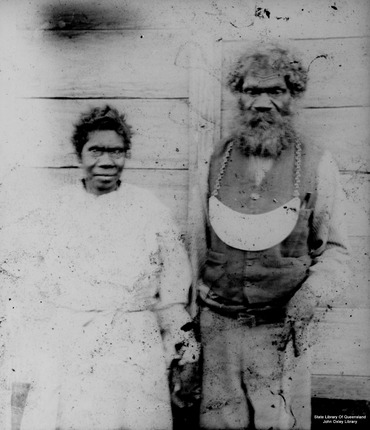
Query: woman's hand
x=177 y=335
x=190 y=350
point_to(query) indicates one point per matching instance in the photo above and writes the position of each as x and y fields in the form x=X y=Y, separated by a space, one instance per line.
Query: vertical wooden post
x=204 y=131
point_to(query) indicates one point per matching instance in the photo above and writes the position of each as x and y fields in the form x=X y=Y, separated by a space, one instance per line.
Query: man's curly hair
x=274 y=58
x=105 y=118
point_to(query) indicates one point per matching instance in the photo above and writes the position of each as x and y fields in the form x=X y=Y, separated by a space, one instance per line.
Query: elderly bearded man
x=275 y=247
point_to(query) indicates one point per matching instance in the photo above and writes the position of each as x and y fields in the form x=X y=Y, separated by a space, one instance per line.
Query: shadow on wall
x=79 y=17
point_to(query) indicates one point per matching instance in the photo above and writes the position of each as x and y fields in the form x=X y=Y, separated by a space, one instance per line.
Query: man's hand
x=299 y=312
x=185 y=384
x=183 y=365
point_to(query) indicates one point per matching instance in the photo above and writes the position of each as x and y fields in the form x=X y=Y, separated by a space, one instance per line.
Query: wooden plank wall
x=161 y=64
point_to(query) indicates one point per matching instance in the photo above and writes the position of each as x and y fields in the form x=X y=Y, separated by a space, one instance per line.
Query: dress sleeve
x=329 y=273
x=175 y=275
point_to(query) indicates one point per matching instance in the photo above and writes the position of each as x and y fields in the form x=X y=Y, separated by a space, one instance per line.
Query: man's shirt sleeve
x=329 y=273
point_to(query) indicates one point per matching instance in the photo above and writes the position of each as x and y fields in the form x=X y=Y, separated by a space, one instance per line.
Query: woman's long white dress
x=86 y=276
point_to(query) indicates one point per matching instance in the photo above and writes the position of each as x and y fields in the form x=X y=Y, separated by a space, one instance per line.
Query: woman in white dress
x=99 y=283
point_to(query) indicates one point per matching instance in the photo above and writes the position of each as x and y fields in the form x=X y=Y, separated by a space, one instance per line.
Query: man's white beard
x=264 y=134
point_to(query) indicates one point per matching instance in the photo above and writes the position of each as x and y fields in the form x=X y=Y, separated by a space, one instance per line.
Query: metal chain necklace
x=255 y=196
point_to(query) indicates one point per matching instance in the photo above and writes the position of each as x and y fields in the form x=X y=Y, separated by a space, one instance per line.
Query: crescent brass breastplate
x=254 y=232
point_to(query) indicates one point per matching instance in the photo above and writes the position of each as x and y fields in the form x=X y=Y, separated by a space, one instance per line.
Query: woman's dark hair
x=105 y=118
x=270 y=57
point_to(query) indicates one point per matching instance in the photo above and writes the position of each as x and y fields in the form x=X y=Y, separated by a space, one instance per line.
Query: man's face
x=103 y=158
x=265 y=96
x=264 y=123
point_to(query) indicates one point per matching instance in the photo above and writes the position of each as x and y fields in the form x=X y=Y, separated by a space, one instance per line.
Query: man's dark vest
x=238 y=277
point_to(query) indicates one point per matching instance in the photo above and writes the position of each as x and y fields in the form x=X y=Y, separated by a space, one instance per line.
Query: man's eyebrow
x=97 y=147
x=264 y=88
x=106 y=148
x=277 y=87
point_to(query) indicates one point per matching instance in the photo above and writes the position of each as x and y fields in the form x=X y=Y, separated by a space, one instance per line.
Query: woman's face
x=102 y=158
